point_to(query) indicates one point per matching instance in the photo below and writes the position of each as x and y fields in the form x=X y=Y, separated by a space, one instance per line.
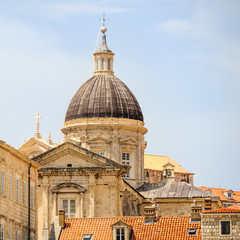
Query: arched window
x=97 y=64
x=103 y=61
x=109 y=64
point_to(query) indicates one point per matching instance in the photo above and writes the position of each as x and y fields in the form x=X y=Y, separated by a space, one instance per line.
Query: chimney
x=150 y=214
x=195 y=212
x=61 y=214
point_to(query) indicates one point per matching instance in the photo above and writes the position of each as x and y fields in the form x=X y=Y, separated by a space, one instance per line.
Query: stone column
x=113 y=199
x=91 y=188
x=81 y=205
x=45 y=197
x=55 y=205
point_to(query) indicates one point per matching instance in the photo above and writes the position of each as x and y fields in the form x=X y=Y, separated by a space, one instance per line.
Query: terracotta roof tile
x=167 y=228
x=231 y=209
x=220 y=192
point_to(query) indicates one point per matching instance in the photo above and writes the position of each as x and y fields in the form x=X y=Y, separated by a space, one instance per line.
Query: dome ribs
x=104 y=96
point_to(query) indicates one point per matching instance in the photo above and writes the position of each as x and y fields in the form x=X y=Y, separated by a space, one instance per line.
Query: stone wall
x=113 y=137
x=211 y=226
x=13 y=206
x=155 y=176
x=96 y=195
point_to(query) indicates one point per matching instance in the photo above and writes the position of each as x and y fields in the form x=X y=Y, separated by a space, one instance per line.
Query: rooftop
x=220 y=192
x=231 y=209
x=173 y=190
x=166 y=228
x=156 y=162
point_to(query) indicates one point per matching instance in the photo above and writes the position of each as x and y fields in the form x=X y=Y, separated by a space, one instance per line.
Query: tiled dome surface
x=104 y=96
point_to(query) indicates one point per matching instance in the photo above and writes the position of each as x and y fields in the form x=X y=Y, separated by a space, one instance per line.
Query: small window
x=25 y=194
x=1 y=232
x=11 y=186
x=32 y=197
x=225 y=227
x=103 y=63
x=192 y=232
x=87 y=237
x=69 y=165
x=126 y=161
x=24 y=236
x=229 y=195
x=109 y=64
x=16 y=235
x=3 y=183
x=17 y=190
x=10 y=233
x=97 y=64
x=101 y=153
x=69 y=205
x=120 y=233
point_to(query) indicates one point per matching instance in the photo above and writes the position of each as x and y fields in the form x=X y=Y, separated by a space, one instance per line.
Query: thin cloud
x=64 y=9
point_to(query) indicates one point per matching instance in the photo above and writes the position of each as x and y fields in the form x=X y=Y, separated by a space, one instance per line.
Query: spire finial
x=103 y=28
x=49 y=138
x=37 y=134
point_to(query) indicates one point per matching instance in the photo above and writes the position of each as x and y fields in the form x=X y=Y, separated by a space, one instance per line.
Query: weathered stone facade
x=211 y=226
x=90 y=185
x=113 y=137
x=14 y=193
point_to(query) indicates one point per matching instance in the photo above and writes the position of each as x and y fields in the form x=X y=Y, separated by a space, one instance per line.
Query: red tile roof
x=231 y=209
x=220 y=192
x=166 y=228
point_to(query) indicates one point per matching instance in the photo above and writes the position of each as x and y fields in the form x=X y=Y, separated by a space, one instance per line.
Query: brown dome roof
x=104 y=96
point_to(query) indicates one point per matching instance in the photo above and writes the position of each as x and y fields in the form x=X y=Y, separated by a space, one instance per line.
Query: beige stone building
x=99 y=168
x=223 y=223
x=154 y=169
x=79 y=181
x=14 y=201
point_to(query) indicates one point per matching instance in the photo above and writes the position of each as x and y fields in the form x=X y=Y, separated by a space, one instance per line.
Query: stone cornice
x=75 y=150
x=81 y=172
x=111 y=123
x=17 y=154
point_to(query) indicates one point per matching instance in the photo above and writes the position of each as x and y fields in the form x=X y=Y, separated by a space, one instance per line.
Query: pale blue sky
x=181 y=59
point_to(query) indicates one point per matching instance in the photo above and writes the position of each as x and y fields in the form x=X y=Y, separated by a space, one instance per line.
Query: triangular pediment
x=168 y=165
x=73 y=156
x=34 y=147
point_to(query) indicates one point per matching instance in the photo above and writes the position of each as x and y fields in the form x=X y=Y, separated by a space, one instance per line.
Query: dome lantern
x=103 y=56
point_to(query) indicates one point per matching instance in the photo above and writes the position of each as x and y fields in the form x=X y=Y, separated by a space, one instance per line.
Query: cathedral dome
x=104 y=96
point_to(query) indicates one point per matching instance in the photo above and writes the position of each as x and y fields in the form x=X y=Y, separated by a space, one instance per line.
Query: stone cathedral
x=103 y=144
x=100 y=169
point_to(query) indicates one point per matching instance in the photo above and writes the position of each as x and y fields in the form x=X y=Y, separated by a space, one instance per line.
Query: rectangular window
x=17 y=190
x=126 y=161
x=225 y=227
x=24 y=193
x=101 y=153
x=24 y=236
x=32 y=197
x=120 y=234
x=69 y=205
x=16 y=235
x=10 y=233
x=1 y=232
x=11 y=186
x=3 y=183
